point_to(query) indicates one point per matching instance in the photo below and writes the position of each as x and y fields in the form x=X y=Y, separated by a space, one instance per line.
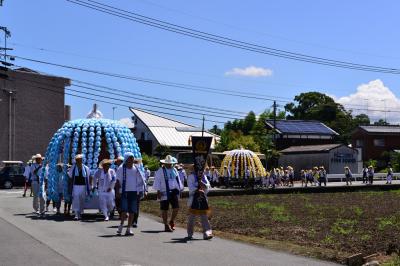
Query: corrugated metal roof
x=170 y=132
x=311 y=148
x=152 y=120
x=301 y=127
x=381 y=129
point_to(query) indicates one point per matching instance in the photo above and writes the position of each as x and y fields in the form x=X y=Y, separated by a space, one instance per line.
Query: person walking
x=28 y=178
x=226 y=174
x=59 y=188
x=168 y=186
x=371 y=174
x=39 y=201
x=348 y=175
x=303 y=178
x=389 y=176
x=198 y=204
x=322 y=176
x=182 y=174
x=364 y=175
x=214 y=177
x=82 y=182
x=290 y=176
x=132 y=181
x=105 y=179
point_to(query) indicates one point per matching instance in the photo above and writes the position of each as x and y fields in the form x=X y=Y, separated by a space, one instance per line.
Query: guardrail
x=358 y=177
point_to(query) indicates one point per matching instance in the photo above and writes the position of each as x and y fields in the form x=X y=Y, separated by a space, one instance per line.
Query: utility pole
x=274 y=129
x=7 y=34
x=384 y=102
x=114 y=107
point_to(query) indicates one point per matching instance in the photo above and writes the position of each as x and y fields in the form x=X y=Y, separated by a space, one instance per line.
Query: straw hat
x=169 y=160
x=37 y=156
x=105 y=161
x=79 y=156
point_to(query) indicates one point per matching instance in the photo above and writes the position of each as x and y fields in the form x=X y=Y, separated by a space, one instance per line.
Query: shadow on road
x=152 y=231
x=181 y=240
x=114 y=235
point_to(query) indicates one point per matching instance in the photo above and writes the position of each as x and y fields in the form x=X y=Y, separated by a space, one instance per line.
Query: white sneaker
x=54 y=209
x=76 y=218
x=119 y=231
x=106 y=219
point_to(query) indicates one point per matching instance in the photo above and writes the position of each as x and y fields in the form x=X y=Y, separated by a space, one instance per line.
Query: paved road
x=26 y=240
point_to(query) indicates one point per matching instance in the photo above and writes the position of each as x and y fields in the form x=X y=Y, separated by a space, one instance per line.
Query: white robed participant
x=81 y=181
x=105 y=179
x=39 y=201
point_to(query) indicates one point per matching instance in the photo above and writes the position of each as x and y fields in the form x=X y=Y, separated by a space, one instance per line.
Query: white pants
x=106 y=202
x=38 y=202
x=78 y=199
x=389 y=178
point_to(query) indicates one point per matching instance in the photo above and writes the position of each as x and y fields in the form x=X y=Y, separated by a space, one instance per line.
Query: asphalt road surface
x=27 y=240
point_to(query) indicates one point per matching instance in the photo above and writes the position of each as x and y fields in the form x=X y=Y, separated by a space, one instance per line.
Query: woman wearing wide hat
x=168 y=186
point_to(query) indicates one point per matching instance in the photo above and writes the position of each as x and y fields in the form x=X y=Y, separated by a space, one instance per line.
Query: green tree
x=152 y=162
x=249 y=123
x=381 y=122
x=216 y=130
x=361 y=120
x=238 y=140
x=321 y=107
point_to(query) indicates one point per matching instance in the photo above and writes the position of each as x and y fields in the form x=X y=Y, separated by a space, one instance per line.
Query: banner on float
x=201 y=148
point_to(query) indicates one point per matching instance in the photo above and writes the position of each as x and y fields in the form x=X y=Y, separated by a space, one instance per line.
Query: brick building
x=374 y=140
x=31 y=111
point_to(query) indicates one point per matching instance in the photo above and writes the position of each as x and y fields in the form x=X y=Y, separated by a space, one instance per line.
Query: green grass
x=343 y=226
x=358 y=211
x=386 y=222
x=278 y=212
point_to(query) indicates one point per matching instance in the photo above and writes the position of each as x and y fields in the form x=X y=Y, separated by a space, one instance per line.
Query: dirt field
x=326 y=225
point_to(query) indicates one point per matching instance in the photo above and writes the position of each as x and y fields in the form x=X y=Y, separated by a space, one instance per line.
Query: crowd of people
x=281 y=177
x=119 y=188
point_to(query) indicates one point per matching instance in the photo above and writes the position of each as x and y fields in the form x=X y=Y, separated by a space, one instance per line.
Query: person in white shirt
x=182 y=174
x=39 y=202
x=227 y=175
x=198 y=185
x=214 y=175
x=82 y=183
x=168 y=186
x=131 y=182
x=28 y=178
x=59 y=188
x=147 y=173
x=105 y=179
x=389 y=175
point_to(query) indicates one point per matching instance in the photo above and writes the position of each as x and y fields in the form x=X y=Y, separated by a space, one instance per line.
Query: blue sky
x=356 y=31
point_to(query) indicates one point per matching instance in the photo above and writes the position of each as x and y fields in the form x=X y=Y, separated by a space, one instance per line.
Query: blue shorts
x=129 y=202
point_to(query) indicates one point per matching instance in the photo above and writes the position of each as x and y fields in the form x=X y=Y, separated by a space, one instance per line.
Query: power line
x=157 y=99
x=119 y=104
x=135 y=17
x=152 y=81
x=192 y=106
x=128 y=101
x=269 y=35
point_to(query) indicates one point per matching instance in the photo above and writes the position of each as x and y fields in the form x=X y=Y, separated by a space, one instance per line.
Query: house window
x=379 y=142
x=359 y=143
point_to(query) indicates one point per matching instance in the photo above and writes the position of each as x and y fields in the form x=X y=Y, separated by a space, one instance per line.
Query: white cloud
x=374 y=98
x=250 y=71
x=127 y=122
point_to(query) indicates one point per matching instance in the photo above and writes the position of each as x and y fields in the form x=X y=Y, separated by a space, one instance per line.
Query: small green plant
x=358 y=211
x=343 y=226
x=278 y=213
x=265 y=231
x=386 y=222
x=365 y=237
x=328 y=240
